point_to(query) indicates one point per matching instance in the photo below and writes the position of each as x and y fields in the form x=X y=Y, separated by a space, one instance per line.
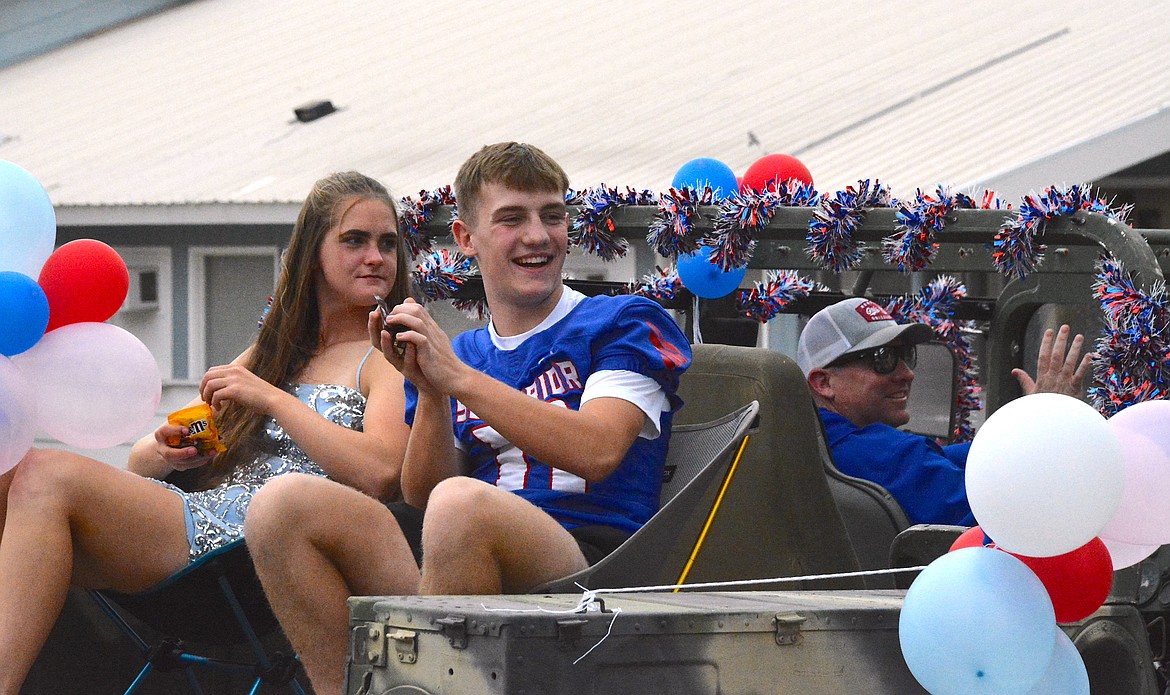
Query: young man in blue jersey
x=537 y=443
x=859 y=364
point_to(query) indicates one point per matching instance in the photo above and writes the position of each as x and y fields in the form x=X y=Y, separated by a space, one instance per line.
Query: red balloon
x=1078 y=582
x=84 y=280
x=971 y=538
x=769 y=169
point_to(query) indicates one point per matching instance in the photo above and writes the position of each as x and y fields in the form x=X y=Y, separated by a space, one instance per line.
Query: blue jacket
x=925 y=478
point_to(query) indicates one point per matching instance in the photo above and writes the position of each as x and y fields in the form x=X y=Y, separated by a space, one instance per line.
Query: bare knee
x=46 y=475
x=461 y=512
x=459 y=501
x=281 y=505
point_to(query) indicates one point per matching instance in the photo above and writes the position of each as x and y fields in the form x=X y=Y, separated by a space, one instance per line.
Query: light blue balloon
x=25 y=312
x=705 y=279
x=705 y=171
x=977 y=620
x=1066 y=674
x=28 y=225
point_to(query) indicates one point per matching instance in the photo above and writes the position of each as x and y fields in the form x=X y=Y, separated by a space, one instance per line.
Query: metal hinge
x=405 y=645
x=788 y=628
x=369 y=644
x=455 y=629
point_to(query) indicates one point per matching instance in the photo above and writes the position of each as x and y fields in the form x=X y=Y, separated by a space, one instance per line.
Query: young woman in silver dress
x=302 y=398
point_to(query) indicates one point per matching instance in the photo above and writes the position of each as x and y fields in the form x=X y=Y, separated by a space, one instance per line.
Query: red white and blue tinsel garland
x=416 y=213
x=1015 y=249
x=440 y=275
x=830 y=232
x=743 y=215
x=935 y=306
x=1132 y=359
x=593 y=228
x=662 y=285
x=769 y=298
x=913 y=245
x=672 y=233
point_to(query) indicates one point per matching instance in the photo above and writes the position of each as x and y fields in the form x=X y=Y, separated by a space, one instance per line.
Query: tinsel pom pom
x=769 y=298
x=593 y=228
x=1132 y=359
x=662 y=285
x=440 y=275
x=830 y=231
x=672 y=233
x=913 y=245
x=474 y=309
x=935 y=306
x=987 y=201
x=1015 y=251
x=416 y=213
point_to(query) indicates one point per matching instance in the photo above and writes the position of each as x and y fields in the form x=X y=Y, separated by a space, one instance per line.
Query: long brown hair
x=291 y=331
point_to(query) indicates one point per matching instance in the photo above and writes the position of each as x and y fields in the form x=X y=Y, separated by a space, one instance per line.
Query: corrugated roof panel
x=194 y=105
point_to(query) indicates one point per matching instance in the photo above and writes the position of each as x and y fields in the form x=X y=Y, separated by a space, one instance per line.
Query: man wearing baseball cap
x=859 y=365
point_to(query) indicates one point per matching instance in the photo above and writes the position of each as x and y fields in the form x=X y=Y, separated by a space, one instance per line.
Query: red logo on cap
x=873 y=312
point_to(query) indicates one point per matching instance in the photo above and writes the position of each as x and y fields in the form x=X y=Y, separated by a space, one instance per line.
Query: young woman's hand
x=235 y=383
x=176 y=457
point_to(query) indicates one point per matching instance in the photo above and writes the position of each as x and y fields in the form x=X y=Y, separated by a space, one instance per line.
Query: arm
x=1056 y=371
x=589 y=442
x=926 y=482
x=369 y=461
x=431 y=455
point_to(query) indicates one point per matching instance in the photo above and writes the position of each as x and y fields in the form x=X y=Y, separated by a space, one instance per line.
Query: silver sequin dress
x=215 y=517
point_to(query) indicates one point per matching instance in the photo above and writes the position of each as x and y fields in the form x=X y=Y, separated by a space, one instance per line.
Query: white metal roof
x=190 y=112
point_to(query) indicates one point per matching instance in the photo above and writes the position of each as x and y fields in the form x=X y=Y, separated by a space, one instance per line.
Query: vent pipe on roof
x=313 y=110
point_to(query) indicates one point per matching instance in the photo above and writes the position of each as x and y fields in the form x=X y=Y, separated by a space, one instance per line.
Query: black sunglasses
x=882 y=360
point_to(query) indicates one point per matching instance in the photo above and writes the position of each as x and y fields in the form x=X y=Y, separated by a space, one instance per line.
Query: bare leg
x=315 y=543
x=73 y=519
x=478 y=539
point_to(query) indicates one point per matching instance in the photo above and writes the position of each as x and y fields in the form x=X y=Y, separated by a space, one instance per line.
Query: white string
x=695 y=318
x=589 y=596
x=748 y=582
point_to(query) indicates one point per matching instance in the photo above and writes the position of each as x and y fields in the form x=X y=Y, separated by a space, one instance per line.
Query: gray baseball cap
x=852 y=325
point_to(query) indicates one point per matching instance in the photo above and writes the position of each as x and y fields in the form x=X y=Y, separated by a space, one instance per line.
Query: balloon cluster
x=96 y=385
x=717 y=268
x=1063 y=497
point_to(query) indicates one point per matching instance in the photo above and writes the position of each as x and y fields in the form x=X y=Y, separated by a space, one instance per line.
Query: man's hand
x=428 y=361
x=1056 y=370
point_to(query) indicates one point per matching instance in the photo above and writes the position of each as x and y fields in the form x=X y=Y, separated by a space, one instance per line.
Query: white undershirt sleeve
x=639 y=389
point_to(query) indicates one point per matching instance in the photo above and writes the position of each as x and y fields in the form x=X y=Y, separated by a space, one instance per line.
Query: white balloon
x=1044 y=475
x=1126 y=554
x=97 y=384
x=1143 y=518
x=28 y=224
x=1066 y=673
x=18 y=416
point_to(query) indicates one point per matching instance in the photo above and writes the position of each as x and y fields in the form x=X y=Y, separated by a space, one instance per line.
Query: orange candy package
x=203 y=434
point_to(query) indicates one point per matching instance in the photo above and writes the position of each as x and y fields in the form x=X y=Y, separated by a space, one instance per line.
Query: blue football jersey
x=600 y=333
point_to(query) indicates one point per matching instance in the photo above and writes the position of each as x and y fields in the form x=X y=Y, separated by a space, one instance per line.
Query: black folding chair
x=216 y=601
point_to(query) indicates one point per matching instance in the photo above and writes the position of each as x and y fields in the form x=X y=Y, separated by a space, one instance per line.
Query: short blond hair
x=516 y=165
